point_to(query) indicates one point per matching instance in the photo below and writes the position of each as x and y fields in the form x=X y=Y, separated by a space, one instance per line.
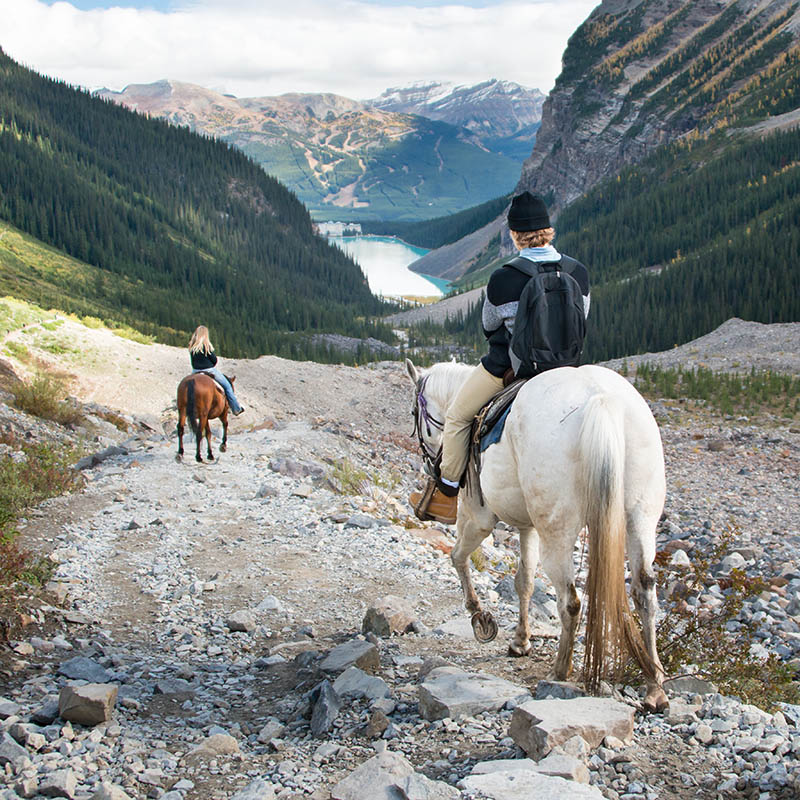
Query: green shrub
x=43 y=397
x=693 y=637
x=346 y=478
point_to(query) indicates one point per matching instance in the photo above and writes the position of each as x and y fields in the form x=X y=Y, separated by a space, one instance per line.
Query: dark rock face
x=635 y=76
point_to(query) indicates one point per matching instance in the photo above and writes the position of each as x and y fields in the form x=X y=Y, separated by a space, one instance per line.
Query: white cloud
x=254 y=48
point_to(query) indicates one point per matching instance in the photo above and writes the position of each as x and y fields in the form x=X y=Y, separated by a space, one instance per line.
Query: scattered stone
x=108 y=791
x=539 y=725
x=326 y=706
x=558 y=690
x=242 y=621
x=356 y=652
x=218 y=744
x=173 y=686
x=87 y=705
x=10 y=750
x=385 y=776
x=46 y=714
x=388 y=615
x=353 y=682
x=451 y=692
x=81 y=668
x=8 y=708
x=516 y=784
x=59 y=783
x=689 y=684
x=257 y=789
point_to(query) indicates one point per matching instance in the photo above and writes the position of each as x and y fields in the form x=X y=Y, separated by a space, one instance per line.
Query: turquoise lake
x=385 y=261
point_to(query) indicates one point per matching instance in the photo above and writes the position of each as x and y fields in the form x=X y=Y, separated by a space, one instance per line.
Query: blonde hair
x=540 y=238
x=200 y=341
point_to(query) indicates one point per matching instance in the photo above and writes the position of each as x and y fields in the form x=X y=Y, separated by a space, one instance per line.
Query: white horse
x=580 y=448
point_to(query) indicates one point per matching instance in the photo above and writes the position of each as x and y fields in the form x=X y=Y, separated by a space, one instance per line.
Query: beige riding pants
x=479 y=388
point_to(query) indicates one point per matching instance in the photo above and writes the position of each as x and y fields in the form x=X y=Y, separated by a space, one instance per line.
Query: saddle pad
x=216 y=382
x=495 y=432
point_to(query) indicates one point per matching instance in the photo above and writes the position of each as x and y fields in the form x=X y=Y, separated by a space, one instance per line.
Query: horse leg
x=181 y=423
x=209 y=454
x=557 y=563
x=201 y=426
x=473 y=527
x=641 y=554
x=224 y=417
x=523 y=583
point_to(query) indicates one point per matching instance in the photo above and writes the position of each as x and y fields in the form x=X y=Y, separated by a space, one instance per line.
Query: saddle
x=487 y=429
x=217 y=384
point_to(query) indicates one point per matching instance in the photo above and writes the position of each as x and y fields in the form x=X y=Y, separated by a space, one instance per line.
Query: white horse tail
x=611 y=632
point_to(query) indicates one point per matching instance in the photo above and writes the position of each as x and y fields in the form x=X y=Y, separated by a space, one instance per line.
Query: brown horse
x=201 y=398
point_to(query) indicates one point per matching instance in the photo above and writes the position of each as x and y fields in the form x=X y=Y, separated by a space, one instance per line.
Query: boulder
x=88 y=705
x=540 y=725
x=389 y=776
x=326 y=707
x=241 y=621
x=356 y=652
x=518 y=783
x=388 y=615
x=58 y=783
x=10 y=751
x=81 y=668
x=353 y=682
x=451 y=692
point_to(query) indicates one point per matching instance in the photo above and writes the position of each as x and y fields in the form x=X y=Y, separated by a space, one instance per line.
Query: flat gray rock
x=390 y=776
x=356 y=652
x=353 y=682
x=258 y=789
x=540 y=725
x=10 y=750
x=81 y=668
x=517 y=784
x=452 y=692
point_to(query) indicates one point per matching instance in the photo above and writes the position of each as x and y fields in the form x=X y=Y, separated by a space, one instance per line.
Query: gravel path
x=209 y=593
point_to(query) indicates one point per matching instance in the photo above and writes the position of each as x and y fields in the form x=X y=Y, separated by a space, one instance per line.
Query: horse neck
x=444 y=381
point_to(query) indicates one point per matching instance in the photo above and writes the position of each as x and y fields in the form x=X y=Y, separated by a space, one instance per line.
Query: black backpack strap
x=531 y=268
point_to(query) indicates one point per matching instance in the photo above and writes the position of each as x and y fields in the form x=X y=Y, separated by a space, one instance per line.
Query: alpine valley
x=412 y=153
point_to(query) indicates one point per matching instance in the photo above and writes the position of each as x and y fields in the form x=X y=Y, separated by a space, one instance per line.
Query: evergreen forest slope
x=171 y=229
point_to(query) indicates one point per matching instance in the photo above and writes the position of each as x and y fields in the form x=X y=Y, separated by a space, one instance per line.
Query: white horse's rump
x=580 y=448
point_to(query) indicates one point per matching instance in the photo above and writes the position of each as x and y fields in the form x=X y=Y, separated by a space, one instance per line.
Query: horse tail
x=611 y=633
x=191 y=413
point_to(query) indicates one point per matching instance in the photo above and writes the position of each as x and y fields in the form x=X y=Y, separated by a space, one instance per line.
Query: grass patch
x=43 y=397
x=18 y=350
x=346 y=478
x=37 y=473
x=744 y=393
x=126 y=332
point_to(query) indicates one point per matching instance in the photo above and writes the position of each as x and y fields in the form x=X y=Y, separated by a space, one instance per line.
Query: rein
x=422 y=418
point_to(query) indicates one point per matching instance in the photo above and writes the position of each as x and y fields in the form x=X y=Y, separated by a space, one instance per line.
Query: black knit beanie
x=528 y=213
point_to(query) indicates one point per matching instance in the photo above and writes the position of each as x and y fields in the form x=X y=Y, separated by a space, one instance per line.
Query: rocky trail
x=276 y=623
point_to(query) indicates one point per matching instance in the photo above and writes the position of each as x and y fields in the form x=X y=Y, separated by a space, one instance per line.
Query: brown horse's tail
x=611 y=632
x=191 y=413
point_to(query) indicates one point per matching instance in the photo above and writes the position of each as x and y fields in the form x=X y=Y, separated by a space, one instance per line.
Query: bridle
x=422 y=418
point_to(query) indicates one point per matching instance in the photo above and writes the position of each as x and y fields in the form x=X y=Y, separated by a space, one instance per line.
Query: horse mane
x=444 y=379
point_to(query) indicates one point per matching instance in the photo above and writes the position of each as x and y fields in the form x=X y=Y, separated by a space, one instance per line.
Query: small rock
x=242 y=621
x=59 y=783
x=108 y=791
x=388 y=615
x=81 y=668
x=353 y=682
x=356 y=652
x=326 y=706
x=87 y=705
x=257 y=789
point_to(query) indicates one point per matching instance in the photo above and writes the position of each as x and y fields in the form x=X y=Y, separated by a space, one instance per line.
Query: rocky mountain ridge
x=351 y=160
x=502 y=114
x=638 y=74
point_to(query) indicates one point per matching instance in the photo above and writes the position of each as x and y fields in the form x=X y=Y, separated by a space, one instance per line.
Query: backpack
x=550 y=324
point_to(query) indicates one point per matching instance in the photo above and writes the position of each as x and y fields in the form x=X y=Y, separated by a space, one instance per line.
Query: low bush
x=44 y=397
x=711 y=640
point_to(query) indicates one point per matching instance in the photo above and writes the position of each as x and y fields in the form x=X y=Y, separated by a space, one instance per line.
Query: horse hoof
x=198 y=459
x=518 y=652
x=656 y=702
x=483 y=626
x=179 y=458
x=223 y=448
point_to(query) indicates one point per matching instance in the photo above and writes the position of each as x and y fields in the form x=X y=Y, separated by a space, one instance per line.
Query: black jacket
x=203 y=360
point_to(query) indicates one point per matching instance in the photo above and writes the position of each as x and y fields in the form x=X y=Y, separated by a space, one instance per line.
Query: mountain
x=504 y=116
x=670 y=153
x=344 y=159
x=165 y=229
x=638 y=74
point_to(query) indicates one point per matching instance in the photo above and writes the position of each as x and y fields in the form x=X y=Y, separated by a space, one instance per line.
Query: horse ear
x=412 y=370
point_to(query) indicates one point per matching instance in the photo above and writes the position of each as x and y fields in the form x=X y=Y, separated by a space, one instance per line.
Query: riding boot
x=433 y=504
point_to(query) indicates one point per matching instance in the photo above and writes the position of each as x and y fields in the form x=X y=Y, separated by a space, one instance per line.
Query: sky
x=250 y=48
